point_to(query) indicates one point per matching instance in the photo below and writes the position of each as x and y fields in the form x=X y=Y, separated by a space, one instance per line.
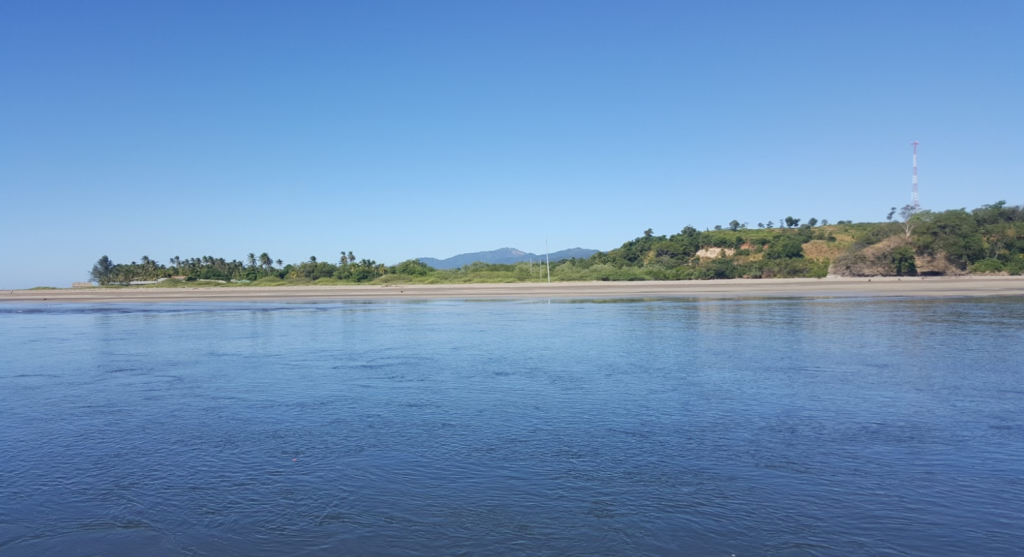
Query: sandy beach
x=738 y=288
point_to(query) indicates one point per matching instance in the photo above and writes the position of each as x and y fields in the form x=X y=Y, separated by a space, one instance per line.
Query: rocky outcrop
x=936 y=265
x=891 y=257
x=711 y=253
x=888 y=258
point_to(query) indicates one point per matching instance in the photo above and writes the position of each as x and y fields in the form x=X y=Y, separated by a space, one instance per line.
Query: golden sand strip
x=736 y=288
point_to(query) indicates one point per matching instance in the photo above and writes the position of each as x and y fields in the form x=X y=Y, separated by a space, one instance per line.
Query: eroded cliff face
x=711 y=253
x=936 y=265
x=893 y=256
x=871 y=261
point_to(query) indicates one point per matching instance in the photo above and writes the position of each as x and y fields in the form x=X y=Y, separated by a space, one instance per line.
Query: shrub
x=988 y=266
x=874 y=234
x=413 y=267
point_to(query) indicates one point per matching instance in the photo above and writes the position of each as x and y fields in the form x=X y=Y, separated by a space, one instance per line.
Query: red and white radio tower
x=914 y=199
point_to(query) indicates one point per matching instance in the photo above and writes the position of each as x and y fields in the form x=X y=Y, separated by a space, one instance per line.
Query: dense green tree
x=952 y=233
x=785 y=247
x=101 y=271
x=907 y=214
x=903 y=261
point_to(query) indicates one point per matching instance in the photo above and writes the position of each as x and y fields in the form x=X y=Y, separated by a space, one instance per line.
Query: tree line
x=253 y=268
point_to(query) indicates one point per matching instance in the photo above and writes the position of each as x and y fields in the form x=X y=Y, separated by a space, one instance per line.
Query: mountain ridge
x=504 y=256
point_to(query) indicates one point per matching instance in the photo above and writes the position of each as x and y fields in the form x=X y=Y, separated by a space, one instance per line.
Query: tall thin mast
x=547 y=258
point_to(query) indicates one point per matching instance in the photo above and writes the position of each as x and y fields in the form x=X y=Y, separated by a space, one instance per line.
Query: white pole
x=547 y=257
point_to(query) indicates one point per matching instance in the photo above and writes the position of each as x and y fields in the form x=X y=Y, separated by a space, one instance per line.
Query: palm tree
x=266 y=261
x=280 y=263
x=252 y=259
x=148 y=266
x=351 y=257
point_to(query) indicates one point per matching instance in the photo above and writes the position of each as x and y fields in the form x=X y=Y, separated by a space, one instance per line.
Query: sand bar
x=736 y=288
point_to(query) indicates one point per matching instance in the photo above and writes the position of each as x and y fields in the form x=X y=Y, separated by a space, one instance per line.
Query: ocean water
x=628 y=427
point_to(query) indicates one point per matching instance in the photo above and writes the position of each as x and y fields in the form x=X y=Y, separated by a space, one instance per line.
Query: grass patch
x=169 y=283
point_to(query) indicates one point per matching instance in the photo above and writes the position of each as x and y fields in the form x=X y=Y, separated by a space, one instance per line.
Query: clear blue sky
x=407 y=129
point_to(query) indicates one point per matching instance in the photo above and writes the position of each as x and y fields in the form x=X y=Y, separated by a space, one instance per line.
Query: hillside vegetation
x=987 y=240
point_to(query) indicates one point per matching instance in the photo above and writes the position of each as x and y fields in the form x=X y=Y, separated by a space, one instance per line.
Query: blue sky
x=407 y=129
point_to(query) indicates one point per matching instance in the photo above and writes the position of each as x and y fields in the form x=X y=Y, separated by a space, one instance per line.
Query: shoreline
x=915 y=287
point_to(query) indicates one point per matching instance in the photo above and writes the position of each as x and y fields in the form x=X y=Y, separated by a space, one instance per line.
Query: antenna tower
x=914 y=199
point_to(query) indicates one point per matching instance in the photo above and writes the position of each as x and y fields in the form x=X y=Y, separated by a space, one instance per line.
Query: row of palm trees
x=265 y=262
x=348 y=268
x=252 y=268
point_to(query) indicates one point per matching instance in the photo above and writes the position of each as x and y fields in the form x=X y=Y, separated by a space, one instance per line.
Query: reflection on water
x=640 y=427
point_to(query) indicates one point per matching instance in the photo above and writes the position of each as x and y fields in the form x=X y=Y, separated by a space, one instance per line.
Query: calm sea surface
x=765 y=427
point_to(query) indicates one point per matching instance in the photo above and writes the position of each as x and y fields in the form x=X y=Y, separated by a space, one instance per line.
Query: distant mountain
x=504 y=256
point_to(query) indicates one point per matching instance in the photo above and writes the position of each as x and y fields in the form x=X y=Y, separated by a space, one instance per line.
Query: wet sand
x=736 y=288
